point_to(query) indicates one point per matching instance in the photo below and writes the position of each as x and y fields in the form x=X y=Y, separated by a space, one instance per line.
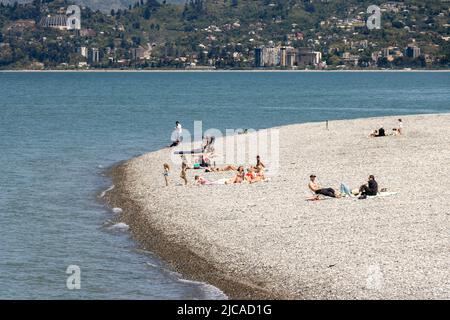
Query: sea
x=60 y=131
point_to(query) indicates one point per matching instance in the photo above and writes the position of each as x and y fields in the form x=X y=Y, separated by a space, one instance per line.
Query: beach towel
x=383 y=194
x=220 y=181
x=379 y=195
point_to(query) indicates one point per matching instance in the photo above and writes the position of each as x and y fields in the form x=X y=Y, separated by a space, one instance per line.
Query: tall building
x=258 y=58
x=271 y=56
x=412 y=51
x=291 y=54
x=307 y=56
x=283 y=57
x=267 y=57
x=83 y=51
x=94 y=56
x=317 y=57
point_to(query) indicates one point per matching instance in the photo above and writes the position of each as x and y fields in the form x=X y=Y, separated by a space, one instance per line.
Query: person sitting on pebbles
x=318 y=190
x=369 y=189
x=259 y=165
x=378 y=133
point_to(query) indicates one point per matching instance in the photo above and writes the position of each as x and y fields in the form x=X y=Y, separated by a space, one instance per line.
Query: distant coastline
x=225 y=71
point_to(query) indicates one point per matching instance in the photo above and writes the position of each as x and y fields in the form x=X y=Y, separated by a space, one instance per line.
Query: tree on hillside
x=147 y=13
x=194 y=9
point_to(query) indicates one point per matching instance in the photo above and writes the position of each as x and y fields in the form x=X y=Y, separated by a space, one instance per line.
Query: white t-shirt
x=179 y=131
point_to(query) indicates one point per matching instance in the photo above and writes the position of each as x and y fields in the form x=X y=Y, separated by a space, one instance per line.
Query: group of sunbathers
x=368 y=189
x=381 y=132
x=252 y=174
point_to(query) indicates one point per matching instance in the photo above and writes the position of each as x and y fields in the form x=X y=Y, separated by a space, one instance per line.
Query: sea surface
x=60 y=131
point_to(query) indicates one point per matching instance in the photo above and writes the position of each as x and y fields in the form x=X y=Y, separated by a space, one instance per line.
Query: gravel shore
x=265 y=240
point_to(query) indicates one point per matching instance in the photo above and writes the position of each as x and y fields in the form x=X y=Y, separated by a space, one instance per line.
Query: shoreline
x=179 y=256
x=156 y=225
x=225 y=71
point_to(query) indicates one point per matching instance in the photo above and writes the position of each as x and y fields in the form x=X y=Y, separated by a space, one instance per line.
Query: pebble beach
x=265 y=240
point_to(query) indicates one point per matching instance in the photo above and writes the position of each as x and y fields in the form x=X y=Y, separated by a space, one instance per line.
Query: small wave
x=210 y=291
x=119 y=226
x=107 y=190
x=162 y=268
x=153 y=265
x=117 y=210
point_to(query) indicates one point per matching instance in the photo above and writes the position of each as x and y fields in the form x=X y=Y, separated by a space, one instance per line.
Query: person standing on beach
x=400 y=127
x=166 y=173
x=178 y=134
x=183 y=174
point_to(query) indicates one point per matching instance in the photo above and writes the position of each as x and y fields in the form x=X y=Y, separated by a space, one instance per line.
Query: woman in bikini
x=239 y=177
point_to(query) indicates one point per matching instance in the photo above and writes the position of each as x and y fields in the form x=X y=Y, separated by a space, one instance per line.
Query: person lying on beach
x=202 y=181
x=239 y=177
x=378 y=133
x=253 y=175
x=183 y=174
x=315 y=187
x=226 y=168
x=166 y=173
x=369 y=189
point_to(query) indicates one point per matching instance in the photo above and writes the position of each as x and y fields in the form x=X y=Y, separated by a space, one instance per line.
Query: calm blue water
x=59 y=130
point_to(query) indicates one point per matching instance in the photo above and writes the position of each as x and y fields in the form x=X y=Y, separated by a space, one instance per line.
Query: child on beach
x=166 y=173
x=183 y=174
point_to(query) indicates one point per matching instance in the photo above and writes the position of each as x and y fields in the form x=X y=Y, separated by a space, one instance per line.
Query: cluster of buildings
x=391 y=53
x=289 y=57
x=95 y=56
x=92 y=56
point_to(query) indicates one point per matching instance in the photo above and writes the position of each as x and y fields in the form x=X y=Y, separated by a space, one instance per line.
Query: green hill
x=225 y=34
